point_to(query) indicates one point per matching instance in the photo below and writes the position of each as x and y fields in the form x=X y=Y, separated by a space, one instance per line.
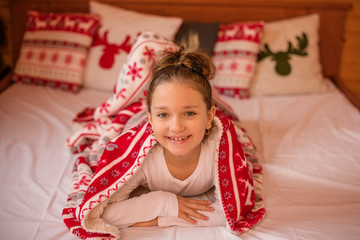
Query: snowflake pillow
x=55 y=49
x=289 y=60
x=118 y=32
x=235 y=56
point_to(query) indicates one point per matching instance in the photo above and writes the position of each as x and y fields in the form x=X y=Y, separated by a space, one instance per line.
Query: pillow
x=289 y=61
x=198 y=35
x=55 y=48
x=118 y=32
x=235 y=57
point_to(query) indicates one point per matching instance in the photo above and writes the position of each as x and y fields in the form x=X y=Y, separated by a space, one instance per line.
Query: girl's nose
x=176 y=125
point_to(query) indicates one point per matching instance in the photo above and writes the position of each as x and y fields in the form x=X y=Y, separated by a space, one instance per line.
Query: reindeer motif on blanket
x=282 y=58
x=110 y=49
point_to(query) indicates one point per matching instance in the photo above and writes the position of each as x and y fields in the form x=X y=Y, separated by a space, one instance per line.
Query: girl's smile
x=179 y=139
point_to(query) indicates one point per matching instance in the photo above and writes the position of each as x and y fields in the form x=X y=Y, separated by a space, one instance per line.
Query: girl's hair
x=192 y=68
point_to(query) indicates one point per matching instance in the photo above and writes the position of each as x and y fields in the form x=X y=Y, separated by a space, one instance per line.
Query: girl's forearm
x=144 y=208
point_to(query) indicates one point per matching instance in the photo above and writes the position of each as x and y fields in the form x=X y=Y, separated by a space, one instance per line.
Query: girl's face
x=179 y=118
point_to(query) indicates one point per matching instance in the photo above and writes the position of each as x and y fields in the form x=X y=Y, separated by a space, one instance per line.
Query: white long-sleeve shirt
x=161 y=201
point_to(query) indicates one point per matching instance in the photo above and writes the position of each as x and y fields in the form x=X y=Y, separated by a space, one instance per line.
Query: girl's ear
x=149 y=117
x=211 y=115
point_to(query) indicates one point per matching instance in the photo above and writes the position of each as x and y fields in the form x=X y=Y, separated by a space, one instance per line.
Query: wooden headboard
x=332 y=17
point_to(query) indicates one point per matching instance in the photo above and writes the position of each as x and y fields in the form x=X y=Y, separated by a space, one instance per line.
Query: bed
x=308 y=142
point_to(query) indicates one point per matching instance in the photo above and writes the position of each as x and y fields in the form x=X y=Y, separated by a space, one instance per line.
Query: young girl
x=180 y=166
x=183 y=151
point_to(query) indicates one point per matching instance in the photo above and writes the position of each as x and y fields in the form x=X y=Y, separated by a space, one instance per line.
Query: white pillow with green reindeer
x=289 y=58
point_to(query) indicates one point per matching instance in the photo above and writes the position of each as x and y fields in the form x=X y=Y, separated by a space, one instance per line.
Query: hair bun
x=197 y=61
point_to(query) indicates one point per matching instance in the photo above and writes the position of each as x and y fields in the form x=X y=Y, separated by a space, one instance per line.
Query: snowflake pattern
x=77 y=233
x=223 y=141
x=150 y=53
x=223 y=169
x=134 y=71
x=148 y=129
x=125 y=164
x=104 y=181
x=115 y=173
x=223 y=155
x=225 y=182
x=232 y=221
x=227 y=195
x=251 y=215
x=92 y=189
x=134 y=154
x=230 y=207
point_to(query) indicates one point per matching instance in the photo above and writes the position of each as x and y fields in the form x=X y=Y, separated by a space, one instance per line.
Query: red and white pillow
x=55 y=49
x=235 y=57
x=119 y=30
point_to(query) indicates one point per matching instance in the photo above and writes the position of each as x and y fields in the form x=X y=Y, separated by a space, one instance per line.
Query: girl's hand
x=150 y=223
x=188 y=208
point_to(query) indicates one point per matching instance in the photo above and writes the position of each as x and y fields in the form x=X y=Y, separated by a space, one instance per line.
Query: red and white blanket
x=114 y=139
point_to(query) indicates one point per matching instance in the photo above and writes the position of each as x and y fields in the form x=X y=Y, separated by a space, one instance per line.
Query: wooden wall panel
x=6 y=51
x=350 y=60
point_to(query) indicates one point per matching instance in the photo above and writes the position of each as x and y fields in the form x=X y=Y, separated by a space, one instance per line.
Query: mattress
x=309 y=146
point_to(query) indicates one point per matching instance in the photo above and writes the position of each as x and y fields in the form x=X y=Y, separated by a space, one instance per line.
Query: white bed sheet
x=309 y=146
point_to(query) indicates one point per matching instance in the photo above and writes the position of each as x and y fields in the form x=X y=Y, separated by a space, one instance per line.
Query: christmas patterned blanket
x=113 y=140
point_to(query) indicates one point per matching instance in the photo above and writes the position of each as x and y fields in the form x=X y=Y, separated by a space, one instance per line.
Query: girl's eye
x=190 y=114
x=162 y=115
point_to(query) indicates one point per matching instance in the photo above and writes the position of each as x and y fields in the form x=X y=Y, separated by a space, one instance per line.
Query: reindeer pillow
x=120 y=29
x=235 y=56
x=289 y=60
x=54 y=50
